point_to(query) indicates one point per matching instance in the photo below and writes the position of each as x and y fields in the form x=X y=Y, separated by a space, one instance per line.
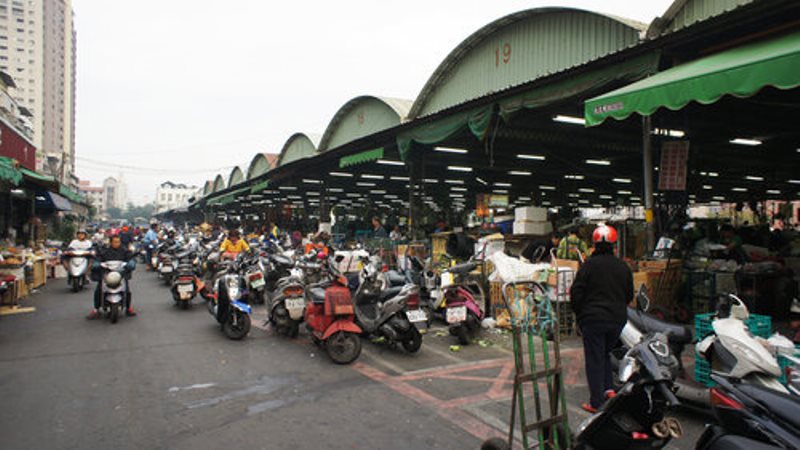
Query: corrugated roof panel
x=690 y=12
x=521 y=48
x=361 y=117
x=298 y=146
x=236 y=176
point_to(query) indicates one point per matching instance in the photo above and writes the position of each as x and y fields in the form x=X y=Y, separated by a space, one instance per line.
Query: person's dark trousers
x=97 y=296
x=599 y=338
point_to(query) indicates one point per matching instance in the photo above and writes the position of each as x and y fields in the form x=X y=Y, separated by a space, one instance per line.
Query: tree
x=145 y=211
x=114 y=212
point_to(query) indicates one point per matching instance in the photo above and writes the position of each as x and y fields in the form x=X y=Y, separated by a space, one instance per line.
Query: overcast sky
x=190 y=88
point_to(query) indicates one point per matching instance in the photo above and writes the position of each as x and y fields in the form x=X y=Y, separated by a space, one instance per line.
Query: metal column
x=649 y=198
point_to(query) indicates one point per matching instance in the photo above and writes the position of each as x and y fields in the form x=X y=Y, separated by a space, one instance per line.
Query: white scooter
x=77 y=268
x=732 y=350
x=114 y=289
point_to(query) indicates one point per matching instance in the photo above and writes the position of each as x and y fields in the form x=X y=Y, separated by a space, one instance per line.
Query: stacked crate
x=531 y=220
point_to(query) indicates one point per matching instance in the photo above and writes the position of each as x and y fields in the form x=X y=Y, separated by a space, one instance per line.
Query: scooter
x=114 y=288
x=381 y=312
x=750 y=414
x=635 y=417
x=184 y=284
x=287 y=304
x=734 y=352
x=226 y=306
x=330 y=317
x=463 y=312
x=78 y=268
x=254 y=279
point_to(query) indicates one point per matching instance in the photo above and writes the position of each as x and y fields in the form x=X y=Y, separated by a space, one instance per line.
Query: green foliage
x=114 y=213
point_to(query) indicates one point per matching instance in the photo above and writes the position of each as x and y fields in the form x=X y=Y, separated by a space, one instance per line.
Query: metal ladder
x=535 y=318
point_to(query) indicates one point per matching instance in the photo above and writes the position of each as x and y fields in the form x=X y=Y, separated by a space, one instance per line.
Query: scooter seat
x=395 y=278
x=462 y=269
x=782 y=405
x=317 y=294
x=391 y=292
x=646 y=323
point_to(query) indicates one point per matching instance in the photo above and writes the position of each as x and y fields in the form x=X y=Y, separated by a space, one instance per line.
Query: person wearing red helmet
x=602 y=289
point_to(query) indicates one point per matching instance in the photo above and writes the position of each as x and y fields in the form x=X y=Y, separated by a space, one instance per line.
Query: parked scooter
x=287 y=304
x=226 y=306
x=381 y=312
x=463 y=312
x=184 y=284
x=330 y=316
x=114 y=288
x=77 y=268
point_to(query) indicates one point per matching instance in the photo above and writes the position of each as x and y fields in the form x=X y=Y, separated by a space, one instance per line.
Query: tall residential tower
x=37 y=48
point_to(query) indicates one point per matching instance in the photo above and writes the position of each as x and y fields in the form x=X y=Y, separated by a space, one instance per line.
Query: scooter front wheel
x=343 y=347
x=412 y=341
x=240 y=329
x=76 y=284
x=114 y=312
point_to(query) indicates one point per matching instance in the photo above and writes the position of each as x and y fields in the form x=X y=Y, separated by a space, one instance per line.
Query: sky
x=182 y=90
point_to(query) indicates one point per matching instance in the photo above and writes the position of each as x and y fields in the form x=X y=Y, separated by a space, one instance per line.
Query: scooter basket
x=338 y=301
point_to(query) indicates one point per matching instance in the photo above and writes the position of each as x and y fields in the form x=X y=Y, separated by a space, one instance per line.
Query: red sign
x=674 y=161
x=12 y=145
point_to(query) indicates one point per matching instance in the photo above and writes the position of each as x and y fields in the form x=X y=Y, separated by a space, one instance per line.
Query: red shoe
x=130 y=312
x=93 y=315
x=589 y=408
x=610 y=394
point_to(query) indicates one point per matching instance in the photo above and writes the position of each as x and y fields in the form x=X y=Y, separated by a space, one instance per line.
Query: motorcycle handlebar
x=672 y=400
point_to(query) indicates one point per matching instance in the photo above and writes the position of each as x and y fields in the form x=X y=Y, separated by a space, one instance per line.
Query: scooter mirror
x=642 y=299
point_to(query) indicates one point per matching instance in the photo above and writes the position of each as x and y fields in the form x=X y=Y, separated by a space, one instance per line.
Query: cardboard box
x=535 y=228
x=530 y=213
x=659 y=265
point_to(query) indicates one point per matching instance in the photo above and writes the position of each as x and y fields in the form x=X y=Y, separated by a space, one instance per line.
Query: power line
x=106 y=164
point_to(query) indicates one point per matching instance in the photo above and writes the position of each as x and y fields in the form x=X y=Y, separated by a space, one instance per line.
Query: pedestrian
x=396 y=234
x=539 y=251
x=602 y=289
x=572 y=247
x=377 y=229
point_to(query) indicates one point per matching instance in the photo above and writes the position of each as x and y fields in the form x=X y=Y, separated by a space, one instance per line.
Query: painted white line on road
x=194 y=386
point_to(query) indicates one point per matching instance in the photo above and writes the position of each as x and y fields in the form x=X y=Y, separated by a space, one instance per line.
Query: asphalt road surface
x=169 y=378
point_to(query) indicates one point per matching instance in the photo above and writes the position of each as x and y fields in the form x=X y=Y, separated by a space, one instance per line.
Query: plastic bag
x=510 y=269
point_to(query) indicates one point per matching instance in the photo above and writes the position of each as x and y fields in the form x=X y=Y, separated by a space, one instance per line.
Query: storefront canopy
x=51 y=200
x=8 y=172
x=741 y=72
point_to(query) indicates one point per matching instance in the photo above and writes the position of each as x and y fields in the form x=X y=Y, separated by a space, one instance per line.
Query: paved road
x=169 y=379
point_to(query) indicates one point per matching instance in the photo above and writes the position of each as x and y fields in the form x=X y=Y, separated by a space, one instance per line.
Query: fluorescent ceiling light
x=459 y=151
x=459 y=168
x=547 y=188
x=390 y=196
x=708 y=187
x=583 y=201
x=713 y=174
x=531 y=157
x=794 y=181
x=520 y=172
x=745 y=141
x=569 y=119
x=457 y=195
x=287 y=188
x=670 y=133
x=341 y=174
x=545 y=203
x=503 y=184
x=377 y=191
x=459 y=189
x=431 y=180
x=586 y=190
x=598 y=162
x=352 y=195
x=481 y=181
x=739 y=189
x=524 y=199
x=621 y=180
x=716 y=197
x=361 y=183
x=399 y=178
x=606 y=197
x=574 y=195
x=573 y=177
x=370 y=176
x=389 y=162
x=752 y=178
x=310 y=181
x=312 y=193
x=773 y=191
x=294 y=197
x=454 y=181
x=636 y=198
x=335 y=190
x=500 y=191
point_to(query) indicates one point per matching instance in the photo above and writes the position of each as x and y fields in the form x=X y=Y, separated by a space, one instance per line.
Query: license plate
x=457 y=314
x=416 y=315
x=257 y=283
x=185 y=288
x=295 y=303
x=166 y=269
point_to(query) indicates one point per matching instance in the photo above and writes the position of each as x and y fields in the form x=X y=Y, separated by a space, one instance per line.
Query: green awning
x=476 y=120
x=259 y=187
x=741 y=72
x=360 y=158
x=8 y=172
x=37 y=176
x=230 y=197
x=70 y=194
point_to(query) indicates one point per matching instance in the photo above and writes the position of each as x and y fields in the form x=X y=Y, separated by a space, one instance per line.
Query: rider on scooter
x=150 y=241
x=115 y=252
x=602 y=289
x=81 y=243
x=233 y=245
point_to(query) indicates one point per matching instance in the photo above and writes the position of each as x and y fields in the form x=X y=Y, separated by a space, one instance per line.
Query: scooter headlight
x=627 y=367
x=113 y=279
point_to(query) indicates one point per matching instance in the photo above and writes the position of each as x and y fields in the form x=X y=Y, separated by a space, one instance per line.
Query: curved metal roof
x=219 y=183
x=298 y=146
x=520 y=48
x=261 y=164
x=208 y=187
x=362 y=116
x=236 y=176
x=683 y=13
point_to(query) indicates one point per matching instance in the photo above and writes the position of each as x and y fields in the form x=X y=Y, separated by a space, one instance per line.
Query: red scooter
x=330 y=317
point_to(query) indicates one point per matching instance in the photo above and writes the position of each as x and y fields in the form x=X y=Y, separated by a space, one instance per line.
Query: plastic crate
x=758 y=325
x=784 y=362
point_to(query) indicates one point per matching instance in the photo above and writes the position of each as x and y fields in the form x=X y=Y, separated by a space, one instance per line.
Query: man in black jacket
x=114 y=252
x=600 y=295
